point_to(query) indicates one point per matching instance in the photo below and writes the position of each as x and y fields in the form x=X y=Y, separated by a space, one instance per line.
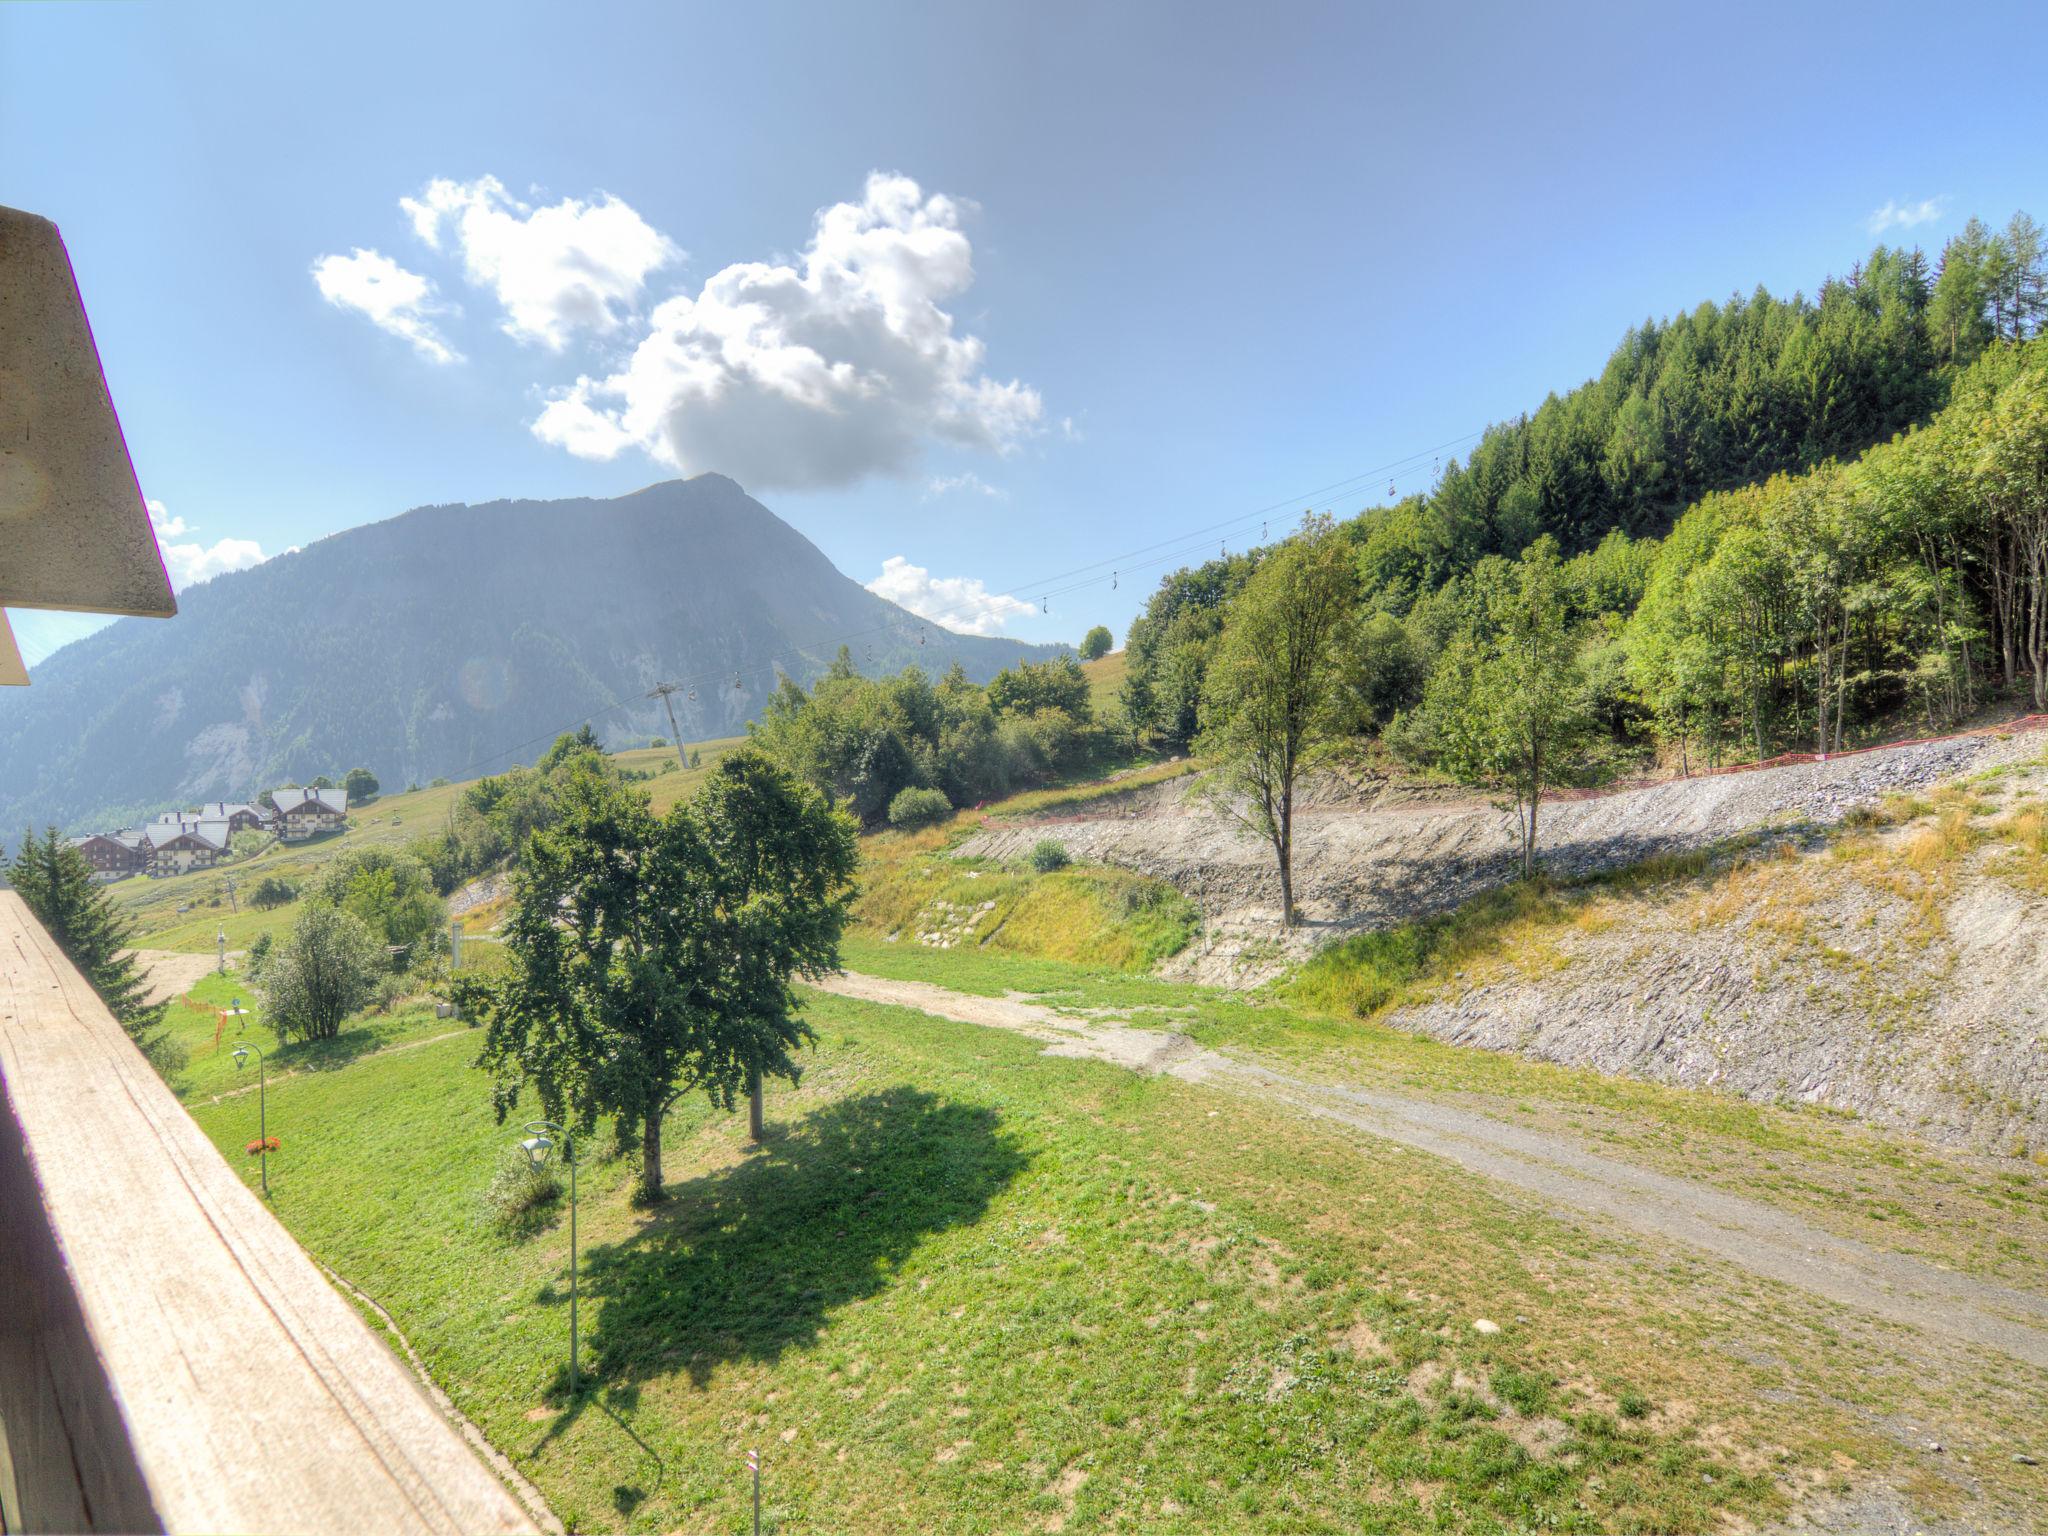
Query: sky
x=1002 y=305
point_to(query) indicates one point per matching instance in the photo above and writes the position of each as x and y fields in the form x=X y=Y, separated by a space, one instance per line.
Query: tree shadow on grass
x=746 y=1263
x=326 y=1055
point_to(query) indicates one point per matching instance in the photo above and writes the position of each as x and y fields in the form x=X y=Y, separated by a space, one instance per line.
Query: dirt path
x=1562 y=1175
x=172 y=973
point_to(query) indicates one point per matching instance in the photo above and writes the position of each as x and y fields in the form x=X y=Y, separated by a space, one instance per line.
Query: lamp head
x=241 y=1055
x=536 y=1149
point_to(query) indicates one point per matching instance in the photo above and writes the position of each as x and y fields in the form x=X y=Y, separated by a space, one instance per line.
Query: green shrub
x=392 y=892
x=323 y=972
x=272 y=891
x=248 y=842
x=521 y=1197
x=918 y=808
x=1049 y=855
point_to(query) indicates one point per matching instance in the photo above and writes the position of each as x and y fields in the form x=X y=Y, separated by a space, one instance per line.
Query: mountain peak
x=452 y=641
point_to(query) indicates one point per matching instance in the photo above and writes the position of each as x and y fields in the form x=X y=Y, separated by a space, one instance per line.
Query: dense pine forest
x=1777 y=521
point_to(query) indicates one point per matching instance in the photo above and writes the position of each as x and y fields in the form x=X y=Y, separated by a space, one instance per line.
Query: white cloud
x=1896 y=215
x=566 y=267
x=813 y=374
x=193 y=562
x=961 y=603
x=945 y=485
x=392 y=298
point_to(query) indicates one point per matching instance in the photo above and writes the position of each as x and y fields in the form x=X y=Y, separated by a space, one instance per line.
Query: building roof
x=288 y=800
x=213 y=833
x=224 y=810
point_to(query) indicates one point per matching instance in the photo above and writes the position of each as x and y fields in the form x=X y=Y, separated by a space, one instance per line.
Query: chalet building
x=114 y=855
x=240 y=817
x=178 y=848
x=303 y=813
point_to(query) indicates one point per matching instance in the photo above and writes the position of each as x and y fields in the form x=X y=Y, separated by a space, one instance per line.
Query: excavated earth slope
x=1362 y=862
x=1898 y=974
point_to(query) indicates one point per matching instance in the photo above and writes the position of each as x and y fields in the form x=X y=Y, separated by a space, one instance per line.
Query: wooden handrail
x=170 y=1359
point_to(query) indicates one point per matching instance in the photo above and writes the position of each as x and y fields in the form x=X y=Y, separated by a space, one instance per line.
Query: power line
x=1110 y=568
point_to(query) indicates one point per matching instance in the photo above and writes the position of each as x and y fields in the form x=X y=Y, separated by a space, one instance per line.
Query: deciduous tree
x=652 y=956
x=325 y=970
x=1271 y=701
x=1506 y=705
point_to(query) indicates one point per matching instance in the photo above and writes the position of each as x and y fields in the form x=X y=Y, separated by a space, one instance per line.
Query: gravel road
x=1558 y=1173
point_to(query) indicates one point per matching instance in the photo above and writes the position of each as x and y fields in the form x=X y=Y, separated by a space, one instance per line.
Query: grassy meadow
x=965 y=1286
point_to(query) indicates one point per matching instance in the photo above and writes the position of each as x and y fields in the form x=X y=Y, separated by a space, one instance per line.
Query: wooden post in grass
x=754 y=1103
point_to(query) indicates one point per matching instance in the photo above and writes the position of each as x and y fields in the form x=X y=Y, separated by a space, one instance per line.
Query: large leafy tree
x=1272 y=699
x=1506 y=706
x=56 y=882
x=655 y=955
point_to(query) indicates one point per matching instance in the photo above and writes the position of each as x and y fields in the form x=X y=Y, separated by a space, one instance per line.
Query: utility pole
x=662 y=691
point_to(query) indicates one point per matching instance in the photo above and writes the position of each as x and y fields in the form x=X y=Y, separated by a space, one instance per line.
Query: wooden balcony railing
x=170 y=1360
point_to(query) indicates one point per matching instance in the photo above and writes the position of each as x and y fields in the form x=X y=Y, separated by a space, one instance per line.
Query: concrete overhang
x=74 y=533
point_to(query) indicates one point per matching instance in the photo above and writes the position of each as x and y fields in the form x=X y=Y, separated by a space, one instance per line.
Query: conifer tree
x=56 y=882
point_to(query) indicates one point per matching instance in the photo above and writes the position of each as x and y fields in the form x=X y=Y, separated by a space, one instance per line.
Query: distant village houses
x=179 y=842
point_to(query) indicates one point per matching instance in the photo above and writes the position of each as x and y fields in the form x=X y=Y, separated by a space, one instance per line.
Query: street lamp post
x=262 y=1110
x=220 y=939
x=536 y=1147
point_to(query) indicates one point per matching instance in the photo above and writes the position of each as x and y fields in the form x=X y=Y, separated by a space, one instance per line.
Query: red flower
x=261 y=1145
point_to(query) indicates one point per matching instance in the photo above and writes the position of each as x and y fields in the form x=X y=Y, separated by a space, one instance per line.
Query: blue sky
x=1128 y=270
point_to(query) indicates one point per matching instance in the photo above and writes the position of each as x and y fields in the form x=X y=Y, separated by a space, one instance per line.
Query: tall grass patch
x=1374 y=972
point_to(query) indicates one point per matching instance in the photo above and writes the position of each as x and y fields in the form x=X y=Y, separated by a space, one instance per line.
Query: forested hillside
x=1767 y=523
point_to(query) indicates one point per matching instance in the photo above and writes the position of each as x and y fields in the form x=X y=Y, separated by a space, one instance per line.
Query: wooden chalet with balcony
x=304 y=813
x=179 y=847
x=240 y=816
x=114 y=855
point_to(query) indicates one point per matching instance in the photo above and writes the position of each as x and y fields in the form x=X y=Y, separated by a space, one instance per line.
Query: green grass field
x=966 y=1287
x=1105 y=677
x=969 y=1287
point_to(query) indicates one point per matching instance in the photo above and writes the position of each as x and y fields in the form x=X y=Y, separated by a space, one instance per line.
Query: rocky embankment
x=1362 y=862
x=1901 y=977
x=1898 y=973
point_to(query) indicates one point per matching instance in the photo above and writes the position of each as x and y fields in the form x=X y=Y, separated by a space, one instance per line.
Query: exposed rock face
x=1914 y=1003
